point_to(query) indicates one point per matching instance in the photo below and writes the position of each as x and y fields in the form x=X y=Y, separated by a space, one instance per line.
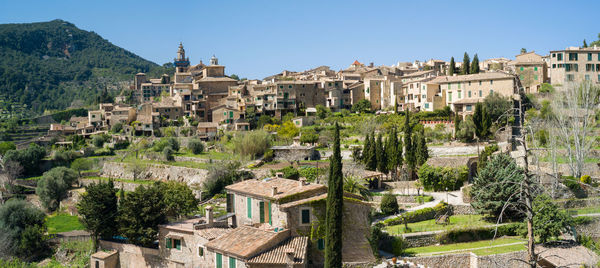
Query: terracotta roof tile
x=277 y=255
x=245 y=242
x=264 y=188
x=213 y=232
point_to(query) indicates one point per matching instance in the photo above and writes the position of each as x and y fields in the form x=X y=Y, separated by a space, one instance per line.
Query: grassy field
x=500 y=245
x=188 y=164
x=565 y=160
x=62 y=222
x=104 y=179
x=430 y=225
x=581 y=211
x=206 y=155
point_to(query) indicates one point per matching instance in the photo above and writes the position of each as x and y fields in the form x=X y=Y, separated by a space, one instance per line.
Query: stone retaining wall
x=508 y=260
x=590 y=229
x=579 y=203
x=189 y=176
x=443 y=261
x=127 y=186
x=420 y=240
x=463 y=210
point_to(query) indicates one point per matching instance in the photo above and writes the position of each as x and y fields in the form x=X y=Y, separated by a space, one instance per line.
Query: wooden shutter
x=249 y=201
x=270 y=220
x=219 y=261
x=168 y=242
x=231 y=262
x=261 y=211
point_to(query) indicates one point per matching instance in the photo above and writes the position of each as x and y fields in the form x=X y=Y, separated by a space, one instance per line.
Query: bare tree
x=574 y=114
x=13 y=170
x=136 y=168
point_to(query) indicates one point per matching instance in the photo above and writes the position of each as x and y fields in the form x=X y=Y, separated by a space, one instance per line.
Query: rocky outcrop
x=190 y=176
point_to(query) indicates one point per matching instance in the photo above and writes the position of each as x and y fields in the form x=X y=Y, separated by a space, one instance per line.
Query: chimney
x=209 y=215
x=289 y=257
x=302 y=182
x=274 y=192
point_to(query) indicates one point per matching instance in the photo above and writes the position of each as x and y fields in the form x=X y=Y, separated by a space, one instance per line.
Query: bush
x=196 y=146
x=442 y=178
x=290 y=172
x=159 y=146
x=573 y=184
x=116 y=128
x=22 y=230
x=121 y=144
x=168 y=154
x=419 y=215
x=268 y=155
x=389 y=204
x=586 y=179
x=424 y=199
x=251 y=143
x=6 y=146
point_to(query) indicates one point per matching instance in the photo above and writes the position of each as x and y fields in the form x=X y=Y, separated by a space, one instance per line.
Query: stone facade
x=156 y=172
x=131 y=256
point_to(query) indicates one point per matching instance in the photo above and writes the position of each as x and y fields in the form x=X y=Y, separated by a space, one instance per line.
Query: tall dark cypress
x=409 y=153
x=422 y=150
x=366 y=148
x=371 y=161
x=335 y=201
x=475 y=65
x=382 y=158
x=391 y=149
x=464 y=69
x=452 y=67
x=456 y=124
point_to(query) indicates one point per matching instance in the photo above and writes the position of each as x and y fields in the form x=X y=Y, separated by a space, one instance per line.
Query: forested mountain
x=48 y=65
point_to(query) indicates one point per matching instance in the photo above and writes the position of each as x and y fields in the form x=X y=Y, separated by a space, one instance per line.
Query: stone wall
x=189 y=176
x=127 y=186
x=134 y=256
x=443 y=261
x=463 y=210
x=590 y=229
x=508 y=260
x=579 y=203
x=421 y=240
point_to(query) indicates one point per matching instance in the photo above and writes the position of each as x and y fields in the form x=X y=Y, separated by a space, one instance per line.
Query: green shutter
x=261 y=211
x=249 y=201
x=321 y=244
x=231 y=262
x=168 y=242
x=219 y=260
x=177 y=244
x=270 y=220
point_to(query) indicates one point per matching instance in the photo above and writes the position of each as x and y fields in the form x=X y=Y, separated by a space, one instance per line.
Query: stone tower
x=214 y=60
x=181 y=62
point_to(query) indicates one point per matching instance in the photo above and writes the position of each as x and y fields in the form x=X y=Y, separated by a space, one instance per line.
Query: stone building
x=574 y=64
x=531 y=70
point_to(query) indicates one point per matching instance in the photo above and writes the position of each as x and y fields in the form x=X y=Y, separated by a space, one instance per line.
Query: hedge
x=480 y=233
x=418 y=215
x=442 y=178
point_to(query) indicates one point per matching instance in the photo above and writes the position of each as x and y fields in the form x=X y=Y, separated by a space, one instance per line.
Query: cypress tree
x=422 y=150
x=478 y=120
x=335 y=201
x=392 y=151
x=409 y=153
x=584 y=43
x=464 y=69
x=371 y=161
x=382 y=160
x=366 y=148
x=486 y=122
x=452 y=67
x=456 y=124
x=475 y=65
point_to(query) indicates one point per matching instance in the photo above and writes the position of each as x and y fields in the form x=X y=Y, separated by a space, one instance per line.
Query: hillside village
x=440 y=164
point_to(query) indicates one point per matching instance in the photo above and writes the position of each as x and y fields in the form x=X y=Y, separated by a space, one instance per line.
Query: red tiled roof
x=213 y=232
x=244 y=242
x=356 y=63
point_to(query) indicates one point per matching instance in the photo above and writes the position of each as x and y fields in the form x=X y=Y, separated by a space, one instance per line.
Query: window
x=200 y=252
x=559 y=56
x=97 y=264
x=480 y=93
x=589 y=56
x=427 y=105
x=280 y=86
x=249 y=204
x=290 y=86
x=172 y=243
x=572 y=56
x=219 y=261
x=168 y=243
x=469 y=107
x=469 y=83
x=469 y=93
x=459 y=95
x=521 y=68
x=305 y=216
x=458 y=85
x=587 y=77
x=570 y=77
x=177 y=244
x=230 y=202
x=554 y=55
x=535 y=69
x=449 y=96
x=321 y=244
x=491 y=82
x=449 y=86
x=480 y=83
x=535 y=77
x=231 y=262
x=554 y=66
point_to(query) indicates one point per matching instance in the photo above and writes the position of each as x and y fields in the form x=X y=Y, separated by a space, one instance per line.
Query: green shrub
x=196 y=146
x=389 y=204
x=121 y=144
x=419 y=215
x=251 y=143
x=424 y=199
x=581 y=220
x=290 y=172
x=160 y=145
x=442 y=178
x=460 y=235
x=168 y=153
x=268 y=155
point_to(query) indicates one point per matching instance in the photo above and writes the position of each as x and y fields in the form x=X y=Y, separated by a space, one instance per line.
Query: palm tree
x=355 y=186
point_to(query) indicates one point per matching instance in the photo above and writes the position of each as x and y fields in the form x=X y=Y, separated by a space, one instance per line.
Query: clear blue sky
x=258 y=38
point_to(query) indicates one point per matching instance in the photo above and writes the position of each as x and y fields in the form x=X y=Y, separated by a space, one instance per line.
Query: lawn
x=581 y=211
x=62 y=222
x=430 y=225
x=503 y=245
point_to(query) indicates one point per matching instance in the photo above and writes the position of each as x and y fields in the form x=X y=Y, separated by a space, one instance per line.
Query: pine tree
x=382 y=165
x=422 y=150
x=371 y=161
x=584 y=43
x=409 y=153
x=335 y=201
x=452 y=67
x=464 y=69
x=475 y=65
